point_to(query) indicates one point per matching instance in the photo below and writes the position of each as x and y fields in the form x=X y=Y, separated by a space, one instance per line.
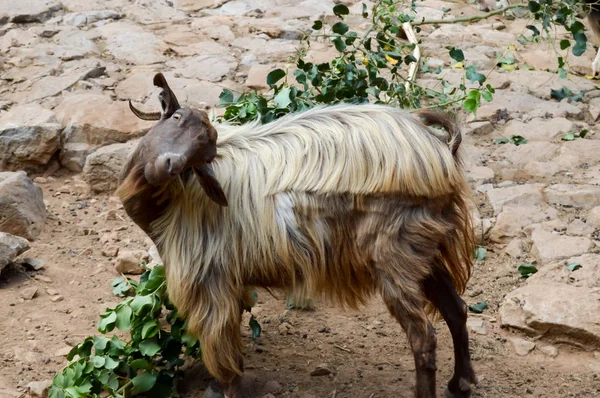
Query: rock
x=549 y=245
x=567 y=314
x=572 y=195
x=285 y=328
x=538 y=129
x=52 y=292
x=130 y=43
x=102 y=168
x=50 y=86
x=578 y=227
x=29 y=11
x=63 y=352
x=29 y=134
x=321 y=370
x=28 y=293
x=476 y=325
x=197 y=5
x=481 y=128
x=130 y=262
x=272 y=387
x=57 y=298
x=80 y=19
x=478 y=175
x=257 y=76
x=94 y=120
x=110 y=251
x=593 y=217
x=522 y=347
x=516 y=195
x=205 y=67
x=516 y=249
x=22 y=208
x=549 y=351
x=10 y=247
x=512 y=219
x=32 y=263
x=39 y=389
x=154 y=257
x=594 y=108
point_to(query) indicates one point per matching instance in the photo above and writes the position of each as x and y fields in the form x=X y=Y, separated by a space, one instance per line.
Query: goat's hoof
x=462 y=390
x=214 y=390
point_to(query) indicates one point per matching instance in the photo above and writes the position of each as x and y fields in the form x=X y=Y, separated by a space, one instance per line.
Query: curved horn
x=144 y=115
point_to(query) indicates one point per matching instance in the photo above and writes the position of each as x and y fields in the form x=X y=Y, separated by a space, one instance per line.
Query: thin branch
x=414 y=66
x=473 y=18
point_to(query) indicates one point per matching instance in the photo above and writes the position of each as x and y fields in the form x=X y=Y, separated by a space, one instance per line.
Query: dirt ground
x=367 y=352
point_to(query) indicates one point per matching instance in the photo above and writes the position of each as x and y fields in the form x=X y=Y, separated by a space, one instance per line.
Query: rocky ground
x=68 y=66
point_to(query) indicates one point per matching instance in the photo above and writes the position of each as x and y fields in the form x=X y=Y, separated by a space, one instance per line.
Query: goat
x=344 y=201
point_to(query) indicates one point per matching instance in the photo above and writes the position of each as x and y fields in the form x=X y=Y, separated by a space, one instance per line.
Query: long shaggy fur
x=342 y=201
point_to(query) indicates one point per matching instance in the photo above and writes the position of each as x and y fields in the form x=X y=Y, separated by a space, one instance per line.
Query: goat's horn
x=144 y=115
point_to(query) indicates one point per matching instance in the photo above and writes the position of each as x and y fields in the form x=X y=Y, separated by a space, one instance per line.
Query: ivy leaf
x=501 y=141
x=479 y=307
x=340 y=10
x=517 y=140
x=480 y=253
x=456 y=54
x=339 y=44
x=225 y=98
x=149 y=329
x=317 y=25
x=471 y=105
x=580 y=43
x=149 y=347
x=144 y=382
x=583 y=133
x=474 y=76
x=526 y=270
x=282 y=99
x=140 y=364
x=573 y=266
x=568 y=137
x=124 y=313
x=340 y=28
x=533 y=29
x=564 y=44
x=274 y=76
x=487 y=96
x=255 y=327
x=533 y=6
x=107 y=322
x=110 y=363
x=98 y=362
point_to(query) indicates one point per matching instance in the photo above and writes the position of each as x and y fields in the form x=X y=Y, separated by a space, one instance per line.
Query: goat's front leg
x=221 y=344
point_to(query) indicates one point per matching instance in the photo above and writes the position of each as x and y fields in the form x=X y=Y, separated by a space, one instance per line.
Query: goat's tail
x=437 y=118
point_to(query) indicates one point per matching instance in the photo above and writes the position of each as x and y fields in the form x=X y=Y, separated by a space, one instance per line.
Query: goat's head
x=183 y=139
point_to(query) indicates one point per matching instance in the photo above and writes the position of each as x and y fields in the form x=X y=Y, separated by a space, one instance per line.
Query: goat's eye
x=176 y=116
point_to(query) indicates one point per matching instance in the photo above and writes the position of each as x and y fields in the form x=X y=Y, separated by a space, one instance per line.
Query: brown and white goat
x=343 y=202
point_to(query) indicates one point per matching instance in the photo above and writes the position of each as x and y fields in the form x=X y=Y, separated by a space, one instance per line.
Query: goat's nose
x=171 y=163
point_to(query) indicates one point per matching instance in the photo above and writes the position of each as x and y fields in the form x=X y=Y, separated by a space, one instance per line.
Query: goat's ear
x=167 y=98
x=211 y=186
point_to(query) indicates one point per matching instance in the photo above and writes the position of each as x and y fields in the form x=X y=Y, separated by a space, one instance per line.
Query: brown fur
x=345 y=244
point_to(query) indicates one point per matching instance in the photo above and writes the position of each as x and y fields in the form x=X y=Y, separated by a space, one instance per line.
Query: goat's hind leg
x=441 y=292
x=409 y=311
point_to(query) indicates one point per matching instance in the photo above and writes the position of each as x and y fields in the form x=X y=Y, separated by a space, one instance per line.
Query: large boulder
x=29 y=135
x=10 y=247
x=22 y=209
x=27 y=11
x=556 y=311
x=102 y=168
x=92 y=121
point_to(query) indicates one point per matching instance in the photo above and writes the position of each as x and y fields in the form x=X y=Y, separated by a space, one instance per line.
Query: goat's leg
x=221 y=344
x=421 y=335
x=440 y=291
